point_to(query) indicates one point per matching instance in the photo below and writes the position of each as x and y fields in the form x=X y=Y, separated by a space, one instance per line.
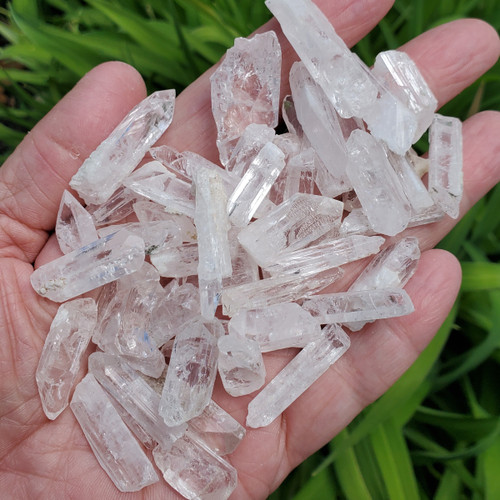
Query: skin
x=43 y=459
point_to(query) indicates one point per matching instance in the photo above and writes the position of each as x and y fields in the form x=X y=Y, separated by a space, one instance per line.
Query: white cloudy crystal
x=297 y=376
x=445 y=163
x=292 y=225
x=401 y=76
x=325 y=255
x=135 y=395
x=114 y=446
x=241 y=367
x=325 y=55
x=377 y=185
x=320 y=123
x=62 y=353
x=74 y=225
x=89 y=267
x=195 y=471
x=276 y=327
x=217 y=429
x=365 y=305
x=191 y=374
x=255 y=184
x=245 y=89
x=104 y=170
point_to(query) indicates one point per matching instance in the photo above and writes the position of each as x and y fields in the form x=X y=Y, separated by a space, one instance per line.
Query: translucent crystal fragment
x=292 y=225
x=289 y=113
x=445 y=163
x=377 y=185
x=401 y=76
x=155 y=182
x=135 y=395
x=114 y=446
x=115 y=208
x=241 y=367
x=217 y=429
x=356 y=223
x=326 y=255
x=255 y=184
x=325 y=55
x=320 y=123
x=190 y=375
x=274 y=290
x=62 y=353
x=210 y=292
x=172 y=160
x=89 y=267
x=297 y=376
x=177 y=262
x=195 y=471
x=74 y=225
x=276 y=327
x=245 y=89
x=366 y=305
x=104 y=170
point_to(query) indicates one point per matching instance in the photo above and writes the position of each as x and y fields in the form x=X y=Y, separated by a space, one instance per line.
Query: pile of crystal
x=192 y=271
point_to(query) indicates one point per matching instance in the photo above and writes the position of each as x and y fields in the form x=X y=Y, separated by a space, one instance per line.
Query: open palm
x=43 y=459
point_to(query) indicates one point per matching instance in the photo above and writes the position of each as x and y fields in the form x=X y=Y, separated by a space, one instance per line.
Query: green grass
x=436 y=432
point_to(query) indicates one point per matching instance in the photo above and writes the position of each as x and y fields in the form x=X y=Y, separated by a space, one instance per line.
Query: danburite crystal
x=62 y=353
x=177 y=262
x=292 y=225
x=276 y=327
x=74 y=225
x=114 y=446
x=289 y=114
x=195 y=471
x=356 y=223
x=172 y=160
x=402 y=77
x=104 y=170
x=245 y=89
x=135 y=395
x=320 y=123
x=274 y=290
x=297 y=376
x=190 y=375
x=255 y=184
x=155 y=182
x=217 y=429
x=445 y=163
x=326 y=255
x=331 y=64
x=89 y=267
x=366 y=305
x=241 y=367
x=376 y=185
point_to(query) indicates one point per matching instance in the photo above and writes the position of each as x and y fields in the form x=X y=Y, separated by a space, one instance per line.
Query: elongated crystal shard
x=114 y=446
x=89 y=267
x=326 y=255
x=195 y=471
x=135 y=395
x=297 y=376
x=177 y=262
x=240 y=364
x=276 y=327
x=62 y=353
x=74 y=225
x=274 y=290
x=325 y=55
x=217 y=429
x=104 y=170
x=445 y=163
x=191 y=374
x=255 y=184
x=292 y=225
x=245 y=89
x=401 y=76
x=366 y=305
x=377 y=185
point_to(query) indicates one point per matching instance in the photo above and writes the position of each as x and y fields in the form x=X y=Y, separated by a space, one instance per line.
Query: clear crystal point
x=114 y=446
x=62 y=353
x=104 y=170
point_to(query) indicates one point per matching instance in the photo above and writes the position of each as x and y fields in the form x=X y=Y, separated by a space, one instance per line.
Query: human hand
x=52 y=459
